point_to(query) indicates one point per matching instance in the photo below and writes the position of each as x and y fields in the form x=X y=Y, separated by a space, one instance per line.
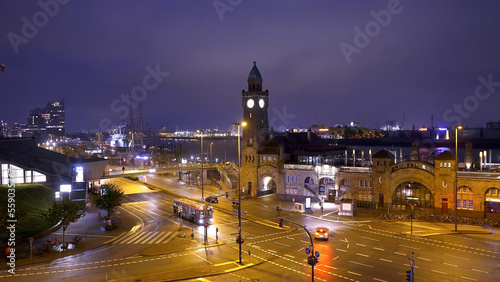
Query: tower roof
x=445 y=156
x=254 y=73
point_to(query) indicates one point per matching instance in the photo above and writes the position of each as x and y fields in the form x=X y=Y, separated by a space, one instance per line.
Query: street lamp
x=456 y=175
x=239 y=184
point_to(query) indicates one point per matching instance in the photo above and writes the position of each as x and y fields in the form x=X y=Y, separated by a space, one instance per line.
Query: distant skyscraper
x=49 y=120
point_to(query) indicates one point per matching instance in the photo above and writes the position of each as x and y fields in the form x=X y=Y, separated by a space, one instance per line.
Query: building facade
x=48 y=121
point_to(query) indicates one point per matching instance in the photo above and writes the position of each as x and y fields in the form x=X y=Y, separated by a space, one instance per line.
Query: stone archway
x=413 y=193
x=492 y=203
x=327 y=188
x=268 y=186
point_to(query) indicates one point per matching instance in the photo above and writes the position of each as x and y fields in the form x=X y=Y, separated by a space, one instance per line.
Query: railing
x=478 y=174
x=312 y=187
x=298 y=167
x=355 y=169
x=413 y=164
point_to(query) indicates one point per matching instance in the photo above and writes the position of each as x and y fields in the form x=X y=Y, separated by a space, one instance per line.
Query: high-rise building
x=49 y=120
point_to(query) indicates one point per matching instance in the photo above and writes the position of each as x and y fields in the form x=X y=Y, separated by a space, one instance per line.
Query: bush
x=132 y=177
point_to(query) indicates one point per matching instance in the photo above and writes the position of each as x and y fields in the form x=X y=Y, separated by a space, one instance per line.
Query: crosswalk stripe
x=119 y=237
x=162 y=238
x=157 y=236
x=137 y=238
x=145 y=240
x=128 y=239
x=124 y=238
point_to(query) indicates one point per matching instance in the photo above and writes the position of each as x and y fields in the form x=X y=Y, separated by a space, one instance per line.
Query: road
x=158 y=248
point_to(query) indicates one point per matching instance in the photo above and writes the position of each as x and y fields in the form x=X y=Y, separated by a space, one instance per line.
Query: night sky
x=329 y=62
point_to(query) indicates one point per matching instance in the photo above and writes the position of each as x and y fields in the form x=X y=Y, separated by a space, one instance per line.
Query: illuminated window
x=5 y=174
x=27 y=176
x=464 y=198
x=38 y=177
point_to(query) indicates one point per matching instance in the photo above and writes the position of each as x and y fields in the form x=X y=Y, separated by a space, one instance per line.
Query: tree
x=112 y=196
x=65 y=211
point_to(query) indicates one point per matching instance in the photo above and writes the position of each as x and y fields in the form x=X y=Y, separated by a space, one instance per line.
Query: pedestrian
x=123 y=169
x=277 y=211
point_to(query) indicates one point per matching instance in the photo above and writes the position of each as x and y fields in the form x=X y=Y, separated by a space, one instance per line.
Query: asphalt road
x=362 y=250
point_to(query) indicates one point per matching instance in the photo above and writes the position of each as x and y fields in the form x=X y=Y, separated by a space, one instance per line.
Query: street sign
x=308 y=251
x=236 y=204
x=316 y=254
x=412 y=262
x=235 y=233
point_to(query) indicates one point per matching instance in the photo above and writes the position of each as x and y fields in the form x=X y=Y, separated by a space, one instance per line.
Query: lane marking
x=445 y=263
x=162 y=238
x=285 y=245
x=358 y=263
x=369 y=238
x=376 y=279
x=424 y=258
x=479 y=270
x=341 y=250
x=362 y=245
x=386 y=260
x=380 y=249
x=363 y=255
x=409 y=247
x=354 y=273
x=401 y=254
x=287 y=255
x=468 y=278
x=456 y=257
x=440 y=272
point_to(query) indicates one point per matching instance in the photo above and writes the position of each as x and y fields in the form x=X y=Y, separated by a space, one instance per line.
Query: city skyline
x=187 y=63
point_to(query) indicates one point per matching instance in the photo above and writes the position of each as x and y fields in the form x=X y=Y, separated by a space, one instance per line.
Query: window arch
x=492 y=201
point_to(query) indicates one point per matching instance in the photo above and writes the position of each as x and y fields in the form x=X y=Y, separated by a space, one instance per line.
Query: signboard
x=316 y=254
x=308 y=251
x=235 y=204
x=65 y=188
x=321 y=190
x=308 y=203
x=412 y=262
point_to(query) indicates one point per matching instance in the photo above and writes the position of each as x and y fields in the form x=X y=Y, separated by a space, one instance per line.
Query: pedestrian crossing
x=138 y=238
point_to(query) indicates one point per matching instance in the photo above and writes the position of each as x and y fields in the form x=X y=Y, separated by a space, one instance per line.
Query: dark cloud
x=425 y=60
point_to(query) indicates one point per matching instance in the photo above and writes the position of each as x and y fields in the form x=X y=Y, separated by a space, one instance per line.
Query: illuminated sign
x=79 y=174
x=493 y=200
x=442 y=128
x=422 y=129
x=65 y=188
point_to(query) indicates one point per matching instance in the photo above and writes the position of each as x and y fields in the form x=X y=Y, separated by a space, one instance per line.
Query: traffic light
x=409 y=275
x=281 y=222
x=227 y=194
x=239 y=240
x=312 y=260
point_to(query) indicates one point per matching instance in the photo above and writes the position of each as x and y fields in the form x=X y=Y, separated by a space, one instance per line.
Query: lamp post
x=456 y=175
x=205 y=237
x=239 y=185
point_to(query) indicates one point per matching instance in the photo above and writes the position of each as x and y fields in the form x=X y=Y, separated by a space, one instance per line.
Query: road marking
x=386 y=260
x=479 y=270
x=289 y=256
x=468 y=278
x=370 y=228
x=157 y=236
x=358 y=263
x=456 y=257
x=363 y=255
x=285 y=245
x=305 y=242
x=162 y=238
x=136 y=238
x=445 y=263
x=369 y=238
x=271 y=251
x=376 y=279
x=401 y=254
x=354 y=273
x=341 y=250
x=362 y=245
x=300 y=249
x=335 y=258
x=440 y=272
x=424 y=258
x=409 y=247
x=380 y=249
x=330 y=267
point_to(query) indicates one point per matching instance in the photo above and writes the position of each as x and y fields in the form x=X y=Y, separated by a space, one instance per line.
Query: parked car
x=212 y=199
x=322 y=233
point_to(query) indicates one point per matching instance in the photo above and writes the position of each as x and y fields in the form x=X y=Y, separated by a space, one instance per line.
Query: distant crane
x=403 y=121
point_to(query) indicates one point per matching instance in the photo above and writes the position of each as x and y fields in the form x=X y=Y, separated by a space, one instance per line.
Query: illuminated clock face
x=262 y=103
x=250 y=103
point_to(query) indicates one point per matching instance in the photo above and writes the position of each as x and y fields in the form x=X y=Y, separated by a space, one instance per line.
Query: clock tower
x=255 y=103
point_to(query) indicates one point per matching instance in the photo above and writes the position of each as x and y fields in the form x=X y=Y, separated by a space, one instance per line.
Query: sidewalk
x=89 y=227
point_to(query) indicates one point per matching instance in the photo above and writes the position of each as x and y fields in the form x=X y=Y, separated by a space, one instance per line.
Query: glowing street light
x=456 y=175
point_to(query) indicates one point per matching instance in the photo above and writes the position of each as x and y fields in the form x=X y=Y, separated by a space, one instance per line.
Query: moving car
x=321 y=233
x=212 y=199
